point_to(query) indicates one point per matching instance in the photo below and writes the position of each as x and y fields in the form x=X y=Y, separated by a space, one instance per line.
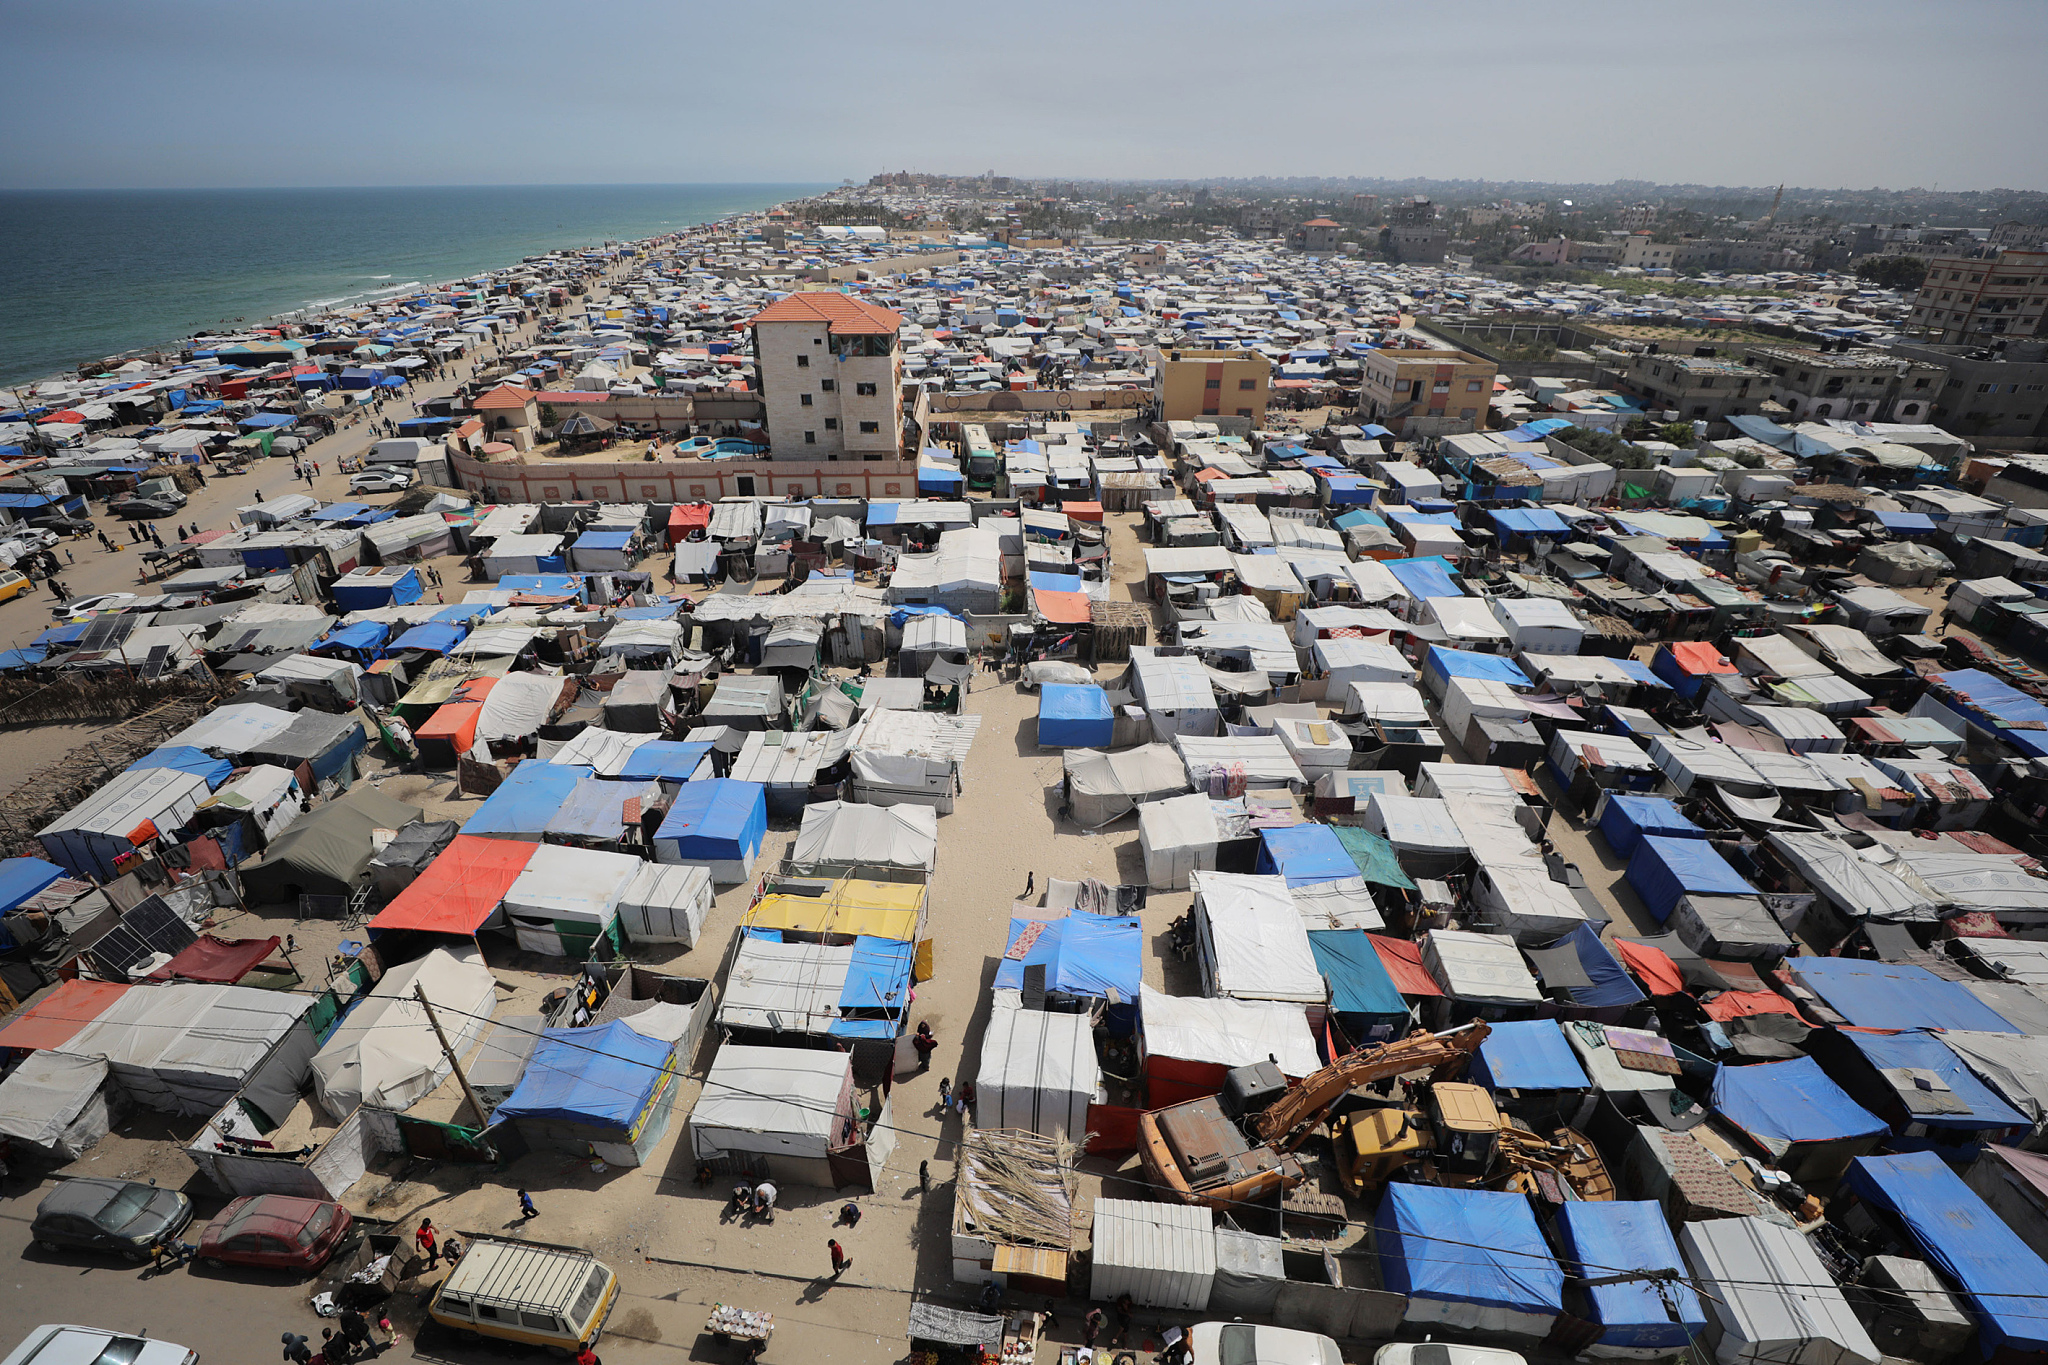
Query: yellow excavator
x=1239 y=1146
x=1464 y=1140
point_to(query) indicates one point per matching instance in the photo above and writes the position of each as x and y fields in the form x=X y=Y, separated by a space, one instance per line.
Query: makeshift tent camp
x=1795 y=1113
x=86 y=839
x=56 y=1107
x=1893 y=995
x=1363 y=997
x=1469 y=1259
x=524 y=802
x=841 y=839
x=326 y=852
x=385 y=1054
x=605 y=1090
x=1603 y=1242
x=1071 y=717
x=1662 y=870
x=565 y=899
x=1189 y=1042
x=1082 y=956
x=782 y=1110
x=666 y=903
x=1178 y=837
x=1102 y=787
x=1917 y=1085
x=1624 y=819
x=185 y=1048
x=1999 y=1274
x=460 y=891
x=1580 y=966
x=1303 y=855
x=1038 y=1072
x=1770 y=1295
x=719 y=823
x=1528 y=1054
x=1251 y=941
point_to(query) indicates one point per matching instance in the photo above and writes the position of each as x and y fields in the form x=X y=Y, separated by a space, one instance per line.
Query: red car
x=275 y=1231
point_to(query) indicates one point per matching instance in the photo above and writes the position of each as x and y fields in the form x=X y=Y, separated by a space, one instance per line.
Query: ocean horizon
x=93 y=273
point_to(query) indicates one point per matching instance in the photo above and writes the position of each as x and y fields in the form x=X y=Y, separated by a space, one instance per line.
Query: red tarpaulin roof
x=1065 y=608
x=454 y=721
x=1403 y=961
x=52 y=1021
x=219 y=961
x=1696 y=656
x=690 y=514
x=1739 y=1004
x=457 y=891
x=1653 y=965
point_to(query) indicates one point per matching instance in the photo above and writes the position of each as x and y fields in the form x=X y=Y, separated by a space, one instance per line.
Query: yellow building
x=1426 y=393
x=1191 y=385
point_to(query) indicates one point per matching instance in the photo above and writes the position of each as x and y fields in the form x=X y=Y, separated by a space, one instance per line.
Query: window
x=451 y=1304
x=1244 y=412
x=1246 y=384
x=1471 y=386
x=870 y=428
x=1987 y=388
x=1441 y=386
x=547 y=1322
x=831 y=424
x=864 y=390
x=1467 y=414
x=817 y=341
x=1212 y=383
x=804 y=399
x=803 y=362
x=1700 y=411
x=810 y=438
x=825 y=384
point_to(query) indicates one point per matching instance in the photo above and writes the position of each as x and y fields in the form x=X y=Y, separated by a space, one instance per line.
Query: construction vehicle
x=1238 y=1146
x=1464 y=1140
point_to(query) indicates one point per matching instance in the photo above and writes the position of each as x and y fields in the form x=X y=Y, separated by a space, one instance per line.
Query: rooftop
x=1831 y=360
x=842 y=314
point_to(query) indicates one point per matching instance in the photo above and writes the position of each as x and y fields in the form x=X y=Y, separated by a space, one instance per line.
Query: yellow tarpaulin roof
x=888 y=910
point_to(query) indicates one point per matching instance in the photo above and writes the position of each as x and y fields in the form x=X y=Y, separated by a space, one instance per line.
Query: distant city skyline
x=237 y=94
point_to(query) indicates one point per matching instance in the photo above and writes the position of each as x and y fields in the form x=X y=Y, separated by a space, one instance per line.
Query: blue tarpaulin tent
x=1529 y=521
x=1528 y=1054
x=877 y=989
x=1663 y=869
x=21 y=878
x=1467 y=1247
x=1981 y=1106
x=435 y=637
x=2002 y=1276
x=720 y=822
x=364 y=638
x=671 y=760
x=1993 y=706
x=1427 y=576
x=1625 y=819
x=1606 y=1238
x=1440 y=665
x=1087 y=955
x=1600 y=983
x=600 y=1076
x=1368 y=1005
x=1895 y=995
x=14 y=659
x=525 y=801
x=1074 y=716
x=185 y=759
x=1783 y=1104
x=1304 y=855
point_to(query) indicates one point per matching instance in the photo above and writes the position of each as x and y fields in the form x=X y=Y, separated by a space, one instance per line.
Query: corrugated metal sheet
x=1162 y=1255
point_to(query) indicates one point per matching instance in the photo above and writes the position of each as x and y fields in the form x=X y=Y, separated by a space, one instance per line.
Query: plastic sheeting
x=1897 y=1054
x=719 y=823
x=326 y=852
x=1780 y=1104
x=1038 y=1072
x=1596 y=979
x=846 y=834
x=1102 y=787
x=1775 y=1302
x=600 y=1077
x=1362 y=992
x=1228 y=1033
x=1625 y=819
x=1178 y=838
x=460 y=890
x=1304 y=854
x=778 y=1100
x=1854 y=885
x=2014 y=1065
x=1254 y=946
x=1891 y=995
x=1473 y=1259
x=1529 y=1054
x=1602 y=1238
x=187 y=1048
x=1662 y=870
x=385 y=1054
x=21 y=878
x=2000 y=1275
x=1083 y=954
x=517 y=706
x=55 y=1105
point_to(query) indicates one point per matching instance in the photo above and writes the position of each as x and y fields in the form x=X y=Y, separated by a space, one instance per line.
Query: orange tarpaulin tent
x=52 y=1021
x=1403 y=961
x=459 y=890
x=451 y=730
x=1062 y=608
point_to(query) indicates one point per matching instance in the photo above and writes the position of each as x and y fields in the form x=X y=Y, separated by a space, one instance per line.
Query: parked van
x=554 y=1297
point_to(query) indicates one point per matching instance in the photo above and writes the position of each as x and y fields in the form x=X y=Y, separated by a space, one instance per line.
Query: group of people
x=350 y=1340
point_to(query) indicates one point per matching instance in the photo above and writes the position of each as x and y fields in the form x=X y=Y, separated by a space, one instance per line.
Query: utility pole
x=482 y=1117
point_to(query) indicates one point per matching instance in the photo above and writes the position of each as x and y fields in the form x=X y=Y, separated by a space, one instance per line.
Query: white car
x=98 y=602
x=56 y=1343
x=380 y=481
x=1442 y=1353
x=1244 y=1343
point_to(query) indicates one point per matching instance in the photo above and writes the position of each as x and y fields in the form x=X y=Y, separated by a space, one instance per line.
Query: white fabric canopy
x=55 y=1104
x=902 y=836
x=1038 y=1071
x=384 y=1053
x=666 y=903
x=1774 y=1300
x=1256 y=946
x=1178 y=837
x=1227 y=1032
x=516 y=706
x=783 y=1101
x=1103 y=787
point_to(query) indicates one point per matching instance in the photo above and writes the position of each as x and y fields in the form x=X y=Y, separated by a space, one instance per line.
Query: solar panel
x=150 y=928
x=106 y=631
x=158 y=663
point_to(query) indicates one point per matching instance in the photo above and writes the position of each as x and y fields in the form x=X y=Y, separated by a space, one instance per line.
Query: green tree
x=1892 y=272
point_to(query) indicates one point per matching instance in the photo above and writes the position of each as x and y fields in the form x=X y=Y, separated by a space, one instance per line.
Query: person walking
x=926 y=1043
x=355 y=1330
x=527 y=1212
x=840 y=1260
x=1091 y=1326
x=945 y=1092
x=1030 y=883
x=296 y=1350
x=428 y=1242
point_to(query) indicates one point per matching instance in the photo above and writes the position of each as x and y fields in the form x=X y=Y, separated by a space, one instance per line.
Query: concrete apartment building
x=1964 y=300
x=830 y=371
x=1997 y=399
x=1706 y=388
x=1413 y=233
x=1426 y=393
x=1853 y=385
x=1190 y=385
x=1640 y=251
x=1318 y=236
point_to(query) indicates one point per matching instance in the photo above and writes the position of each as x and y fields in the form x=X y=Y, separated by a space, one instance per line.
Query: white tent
x=1318 y=746
x=1479 y=968
x=517 y=705
x=1038 y=1070
x=1772 y=1299
x=666 y=903
x=86 y=839
x=384 y=1052
x=1178 y=836
x=1255 y=761
x=1253 y=945
x=1103 y=787
x=516 y=554
x=785 y=987
x=1226 y=1032
x=846 y=835
x=1162 y=1255
x=56 y=1106
x=1176 y=693
x=564 y=897
x=1347 y=660
x=604 y=752
x=1424 y=836
x=788 y=1105
x=187 y=1048
x=966 y=573
x=1388 y=703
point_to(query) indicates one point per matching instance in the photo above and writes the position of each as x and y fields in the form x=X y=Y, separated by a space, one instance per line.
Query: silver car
x=122 y=1216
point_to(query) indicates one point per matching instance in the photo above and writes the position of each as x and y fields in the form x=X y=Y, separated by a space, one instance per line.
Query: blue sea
x=92 y=273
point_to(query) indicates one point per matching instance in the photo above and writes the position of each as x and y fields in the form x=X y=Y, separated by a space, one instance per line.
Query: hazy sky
x=120 y=93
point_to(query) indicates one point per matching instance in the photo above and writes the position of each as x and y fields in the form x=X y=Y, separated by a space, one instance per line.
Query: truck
x=979 y=457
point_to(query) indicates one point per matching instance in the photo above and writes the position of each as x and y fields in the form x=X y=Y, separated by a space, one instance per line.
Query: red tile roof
x=1321 y=222
x=842 y=314
x=504 y=396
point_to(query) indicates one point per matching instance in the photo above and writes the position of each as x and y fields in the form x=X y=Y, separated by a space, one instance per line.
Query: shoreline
x=21 y=390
